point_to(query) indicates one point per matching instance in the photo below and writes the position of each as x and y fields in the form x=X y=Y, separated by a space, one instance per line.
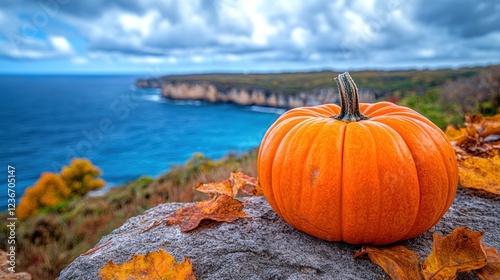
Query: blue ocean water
x=127 y=132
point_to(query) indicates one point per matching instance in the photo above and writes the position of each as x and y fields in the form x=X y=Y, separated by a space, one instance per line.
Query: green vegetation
x=448 y=104
x=444 y=96
x=292 y=83
x=49 y=241
x=428 y=105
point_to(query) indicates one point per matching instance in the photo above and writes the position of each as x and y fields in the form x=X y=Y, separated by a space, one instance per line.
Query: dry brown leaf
x=245 y=183
x=484 y=126
x=237 y=181
x=478 y=152
x=492 y=270
x=222 y=209
x=221 y=187
x=398 y=261
x=458 y=252
x=456 y=135
x=481 y=173
x=476 y=129
x=155 y=265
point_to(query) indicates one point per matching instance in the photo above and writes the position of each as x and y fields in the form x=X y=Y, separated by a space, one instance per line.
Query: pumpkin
x=359 y=173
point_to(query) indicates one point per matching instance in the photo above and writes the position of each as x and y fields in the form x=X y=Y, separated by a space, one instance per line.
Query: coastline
x=297 y=89
x=208 y=92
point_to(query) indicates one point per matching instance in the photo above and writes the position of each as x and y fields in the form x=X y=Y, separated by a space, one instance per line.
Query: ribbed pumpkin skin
x=374 y=181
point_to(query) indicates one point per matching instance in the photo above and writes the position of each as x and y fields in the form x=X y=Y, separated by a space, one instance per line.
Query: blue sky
x=198 y=36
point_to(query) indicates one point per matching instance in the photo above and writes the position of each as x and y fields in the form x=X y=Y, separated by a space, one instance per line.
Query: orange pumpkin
x=360 y=173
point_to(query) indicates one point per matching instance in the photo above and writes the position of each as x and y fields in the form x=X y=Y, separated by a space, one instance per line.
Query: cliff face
x=242 y=96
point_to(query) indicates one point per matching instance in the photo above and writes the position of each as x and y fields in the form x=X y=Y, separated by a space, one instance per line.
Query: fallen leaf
x=477 y=148
x=492 y=270
x=460 y=251
x=221 y=187
x=481 y=173
x=155 y=265
x=245 y=183
x=456 y=135
x=398 y=261
x=484 y=126
x=237 y=181
x=222 y=209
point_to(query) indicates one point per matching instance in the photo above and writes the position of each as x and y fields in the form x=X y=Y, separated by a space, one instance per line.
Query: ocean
x=125 y=131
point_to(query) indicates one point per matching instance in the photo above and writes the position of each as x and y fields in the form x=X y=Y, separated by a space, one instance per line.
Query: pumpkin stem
x=349 y=103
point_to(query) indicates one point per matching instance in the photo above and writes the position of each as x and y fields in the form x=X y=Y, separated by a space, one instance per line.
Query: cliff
x=247 y=96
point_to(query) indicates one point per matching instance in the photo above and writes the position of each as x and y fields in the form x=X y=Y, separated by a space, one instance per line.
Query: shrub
x=53 y=189
x=81 y=177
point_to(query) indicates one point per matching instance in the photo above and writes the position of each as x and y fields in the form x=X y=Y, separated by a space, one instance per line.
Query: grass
x=382 y=82
x=426 y=91
x=51 y=240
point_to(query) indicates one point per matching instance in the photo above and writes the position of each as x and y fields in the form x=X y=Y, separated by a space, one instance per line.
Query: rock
x=207 y=92
x=265 y=247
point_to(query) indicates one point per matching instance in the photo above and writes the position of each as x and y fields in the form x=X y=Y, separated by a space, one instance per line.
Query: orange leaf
x=222 y=209
x=221 y=187
x=237 y=181
x=460 y=251
x=478 y=157
x=484 y=126
x=492 y=270
x=457 y=135
x=398 y=261
x=481 y=173
x=155 y=265
x=240 y=181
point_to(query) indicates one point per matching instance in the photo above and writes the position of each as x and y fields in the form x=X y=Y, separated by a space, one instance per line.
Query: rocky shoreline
x=206 y=91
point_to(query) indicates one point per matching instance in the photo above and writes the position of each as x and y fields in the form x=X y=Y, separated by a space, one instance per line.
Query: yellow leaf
x=458 y=135
x=155 y=266
x=458 y=252
x=222 y=209
x=481 y=173
x=492 y=270
x=398 y=261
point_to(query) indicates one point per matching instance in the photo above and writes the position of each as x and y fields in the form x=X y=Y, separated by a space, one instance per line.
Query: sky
x=244 y=36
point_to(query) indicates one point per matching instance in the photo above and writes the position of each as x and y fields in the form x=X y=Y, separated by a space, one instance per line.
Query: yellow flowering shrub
x=76 y=179
x=81 y=177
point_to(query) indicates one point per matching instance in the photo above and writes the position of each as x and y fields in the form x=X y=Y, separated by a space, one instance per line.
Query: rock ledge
x=265 y=247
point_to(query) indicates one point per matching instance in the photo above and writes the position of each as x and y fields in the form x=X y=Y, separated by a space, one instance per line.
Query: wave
x=158 y=98
x=186 y=102
x=154 y=98
x=269 y=110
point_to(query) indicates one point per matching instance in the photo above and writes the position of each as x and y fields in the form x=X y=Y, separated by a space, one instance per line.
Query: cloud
x=28 y=48
x=60 y=44
x=466 y=18
x=207 y=32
